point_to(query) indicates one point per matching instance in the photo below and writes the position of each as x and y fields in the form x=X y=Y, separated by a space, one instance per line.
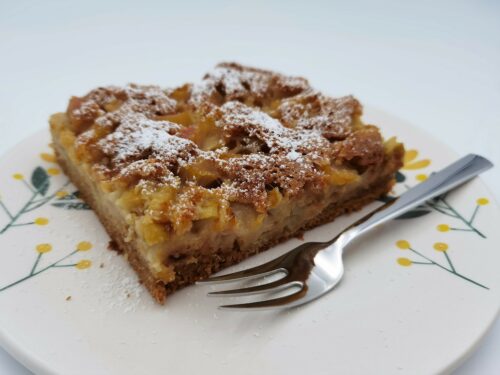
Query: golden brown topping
x=148 y=100
x=363 y=148
x=230 y=81
x=243 y=135
x=250 y=177
x=241 y=122
x=141 y=148
x=332 y=117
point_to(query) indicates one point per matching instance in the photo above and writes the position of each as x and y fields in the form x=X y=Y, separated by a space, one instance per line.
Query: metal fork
x=314 y=268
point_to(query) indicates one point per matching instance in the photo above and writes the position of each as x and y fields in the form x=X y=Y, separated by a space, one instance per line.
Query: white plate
x=390 y=315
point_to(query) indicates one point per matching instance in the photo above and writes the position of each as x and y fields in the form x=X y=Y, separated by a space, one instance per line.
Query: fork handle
x=438 y=183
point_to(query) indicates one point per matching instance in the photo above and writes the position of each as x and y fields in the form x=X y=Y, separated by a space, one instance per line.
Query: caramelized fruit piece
x=182 y=118
x=153 y=233
x=340 y=177
x=274 y=197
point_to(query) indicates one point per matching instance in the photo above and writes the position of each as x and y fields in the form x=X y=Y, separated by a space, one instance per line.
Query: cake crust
x=190 y=180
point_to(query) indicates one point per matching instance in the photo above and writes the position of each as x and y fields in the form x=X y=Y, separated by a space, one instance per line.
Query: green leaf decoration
x=71 y=202
x=72 y=205
x=40 y=180
x=417 y=212
x=70 y=197
x=400 y=177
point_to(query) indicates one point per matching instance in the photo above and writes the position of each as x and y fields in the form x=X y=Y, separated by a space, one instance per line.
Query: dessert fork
x=314 y=268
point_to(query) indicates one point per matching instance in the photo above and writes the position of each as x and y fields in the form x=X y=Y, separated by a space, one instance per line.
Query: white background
x=434 y=63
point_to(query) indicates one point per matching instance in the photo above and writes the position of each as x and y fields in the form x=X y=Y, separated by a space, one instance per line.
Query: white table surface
x=434 y=63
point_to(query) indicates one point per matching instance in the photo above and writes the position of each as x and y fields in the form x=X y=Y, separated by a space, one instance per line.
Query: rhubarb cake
x=191 y=179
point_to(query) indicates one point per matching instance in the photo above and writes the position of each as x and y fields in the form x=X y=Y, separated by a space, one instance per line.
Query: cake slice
x=193 y=179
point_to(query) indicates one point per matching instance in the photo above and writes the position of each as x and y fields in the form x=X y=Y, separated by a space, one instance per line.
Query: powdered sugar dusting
x=234 y=82
x=137 y=134
x=238 y=118
x=249 y=130
x=293 y=155
x=141 y=147
x=120 y=288
x=332 y=117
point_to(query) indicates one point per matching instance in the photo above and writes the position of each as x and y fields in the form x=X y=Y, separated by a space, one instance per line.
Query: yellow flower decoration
x=405 y=262
x=48 y=157
x=61 y=194
x=410 y=162
x=482 y=201
x=84 y=246
x=18 y=176
x=41 y=221
x=421 y=177
x=83 y=264
x=443 y=227
x=440 y=246
x=403 y=244
x=53 y=171
x=43 y=248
